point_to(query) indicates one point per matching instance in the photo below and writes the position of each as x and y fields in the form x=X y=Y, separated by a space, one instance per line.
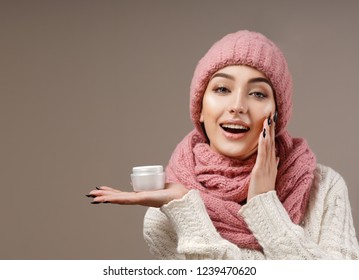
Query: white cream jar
x=148 y=178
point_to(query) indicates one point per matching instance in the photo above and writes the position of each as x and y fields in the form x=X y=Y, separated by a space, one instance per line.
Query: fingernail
x=97 y=188
x=269 y=121
x=264 y=133
x=275 y=116
x=106 y=202
x=90 y=195
x=95 y=202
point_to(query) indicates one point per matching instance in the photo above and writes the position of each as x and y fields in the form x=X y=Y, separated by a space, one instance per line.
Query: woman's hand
x=146 y=198
x=264 y=172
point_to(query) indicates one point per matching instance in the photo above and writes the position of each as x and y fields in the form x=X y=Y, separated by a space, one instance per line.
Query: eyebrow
x=223 y=75
x=259 y=80
x=263 y=80
x=253 y=80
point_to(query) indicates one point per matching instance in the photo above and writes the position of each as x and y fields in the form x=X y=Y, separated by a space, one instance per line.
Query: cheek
x=210 y=108
x=269 y=109
x=262 y=113
x=266 y=109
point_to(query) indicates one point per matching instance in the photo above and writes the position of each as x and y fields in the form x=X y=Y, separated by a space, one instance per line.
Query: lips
x=235 y=127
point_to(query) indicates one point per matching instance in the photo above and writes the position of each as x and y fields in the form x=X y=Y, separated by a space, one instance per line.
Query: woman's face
x=235 y=104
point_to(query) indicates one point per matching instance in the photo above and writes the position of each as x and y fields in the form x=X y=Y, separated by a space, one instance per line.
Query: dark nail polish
x=106 y=202
x=95 y=202
x=275 y=116
x=269 y=121
x=90 y=195
x=264 y=133
x=97 y=188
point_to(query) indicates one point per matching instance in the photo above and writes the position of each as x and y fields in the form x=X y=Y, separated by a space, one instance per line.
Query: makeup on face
x=236 y=102
x=148 y=178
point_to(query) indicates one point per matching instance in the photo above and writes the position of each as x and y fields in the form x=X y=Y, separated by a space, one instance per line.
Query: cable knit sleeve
x=327 y=232
x=182 y=229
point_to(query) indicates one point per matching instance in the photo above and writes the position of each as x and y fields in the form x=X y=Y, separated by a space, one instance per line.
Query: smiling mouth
x=234 y=128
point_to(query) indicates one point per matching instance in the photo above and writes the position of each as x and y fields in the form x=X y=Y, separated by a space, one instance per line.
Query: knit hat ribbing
x=251 y=49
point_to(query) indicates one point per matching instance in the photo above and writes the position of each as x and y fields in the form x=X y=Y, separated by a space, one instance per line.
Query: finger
x=123 y=198
x=270 y=141
x=104 y=192
x=101 y=199
x=269 y=125
x=262 y=145
x=273 y=131
x=150 y=198
x=273 y=124
x=272 y=136
x=104 y=188
x=94 y=193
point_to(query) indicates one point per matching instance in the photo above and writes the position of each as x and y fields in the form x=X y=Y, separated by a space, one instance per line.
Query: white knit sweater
x=182 y=228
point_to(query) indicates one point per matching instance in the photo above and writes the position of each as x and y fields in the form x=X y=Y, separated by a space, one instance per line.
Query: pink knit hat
x=251 y=49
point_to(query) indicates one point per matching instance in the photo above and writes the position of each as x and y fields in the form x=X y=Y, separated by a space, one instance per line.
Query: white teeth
x=235 y=126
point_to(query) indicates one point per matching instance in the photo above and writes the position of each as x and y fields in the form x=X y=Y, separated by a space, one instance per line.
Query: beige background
x=89 y=89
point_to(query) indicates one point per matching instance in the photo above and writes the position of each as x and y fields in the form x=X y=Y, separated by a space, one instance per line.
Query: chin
x=240 y=155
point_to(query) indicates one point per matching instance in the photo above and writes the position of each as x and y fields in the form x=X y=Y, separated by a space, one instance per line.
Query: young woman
x=239 y=186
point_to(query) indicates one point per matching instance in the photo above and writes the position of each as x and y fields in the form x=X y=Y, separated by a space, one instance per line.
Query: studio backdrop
x=89 y=89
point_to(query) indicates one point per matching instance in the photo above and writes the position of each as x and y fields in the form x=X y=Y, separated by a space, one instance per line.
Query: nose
x=238 y=104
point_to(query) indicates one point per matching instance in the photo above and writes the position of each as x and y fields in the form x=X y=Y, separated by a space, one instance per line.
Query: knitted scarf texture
x=223 y=182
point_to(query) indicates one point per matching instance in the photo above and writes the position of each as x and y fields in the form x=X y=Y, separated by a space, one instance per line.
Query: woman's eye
x=221 y=90
x=258 y=94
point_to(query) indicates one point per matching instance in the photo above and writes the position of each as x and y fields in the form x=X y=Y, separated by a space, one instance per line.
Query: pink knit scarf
x=223 y=182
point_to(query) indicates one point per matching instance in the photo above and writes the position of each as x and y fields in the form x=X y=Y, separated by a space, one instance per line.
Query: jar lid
x=147 y=169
